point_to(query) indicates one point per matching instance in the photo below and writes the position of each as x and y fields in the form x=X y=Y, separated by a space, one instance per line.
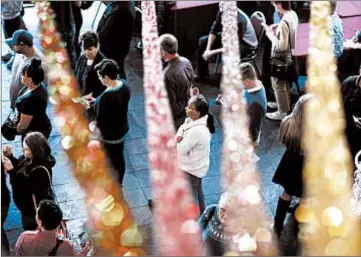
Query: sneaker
x=272 y=105
x=276 y=115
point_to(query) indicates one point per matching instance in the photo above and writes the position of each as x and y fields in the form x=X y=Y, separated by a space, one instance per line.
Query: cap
x=20 y=37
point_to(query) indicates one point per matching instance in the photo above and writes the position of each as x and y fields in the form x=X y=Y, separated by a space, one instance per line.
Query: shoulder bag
x=63 y=227
x=284 y=68
x=8 y=128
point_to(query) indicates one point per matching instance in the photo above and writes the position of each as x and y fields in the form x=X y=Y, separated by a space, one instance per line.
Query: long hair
x=201 y=105
x=292 y=126
x=40 y=149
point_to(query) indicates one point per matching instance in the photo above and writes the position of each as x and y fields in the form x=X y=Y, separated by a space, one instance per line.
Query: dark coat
x=289 y=173
x=351 y=93
x=92 y=84
x=115 y=30
x=178 y=78
x=28 y=180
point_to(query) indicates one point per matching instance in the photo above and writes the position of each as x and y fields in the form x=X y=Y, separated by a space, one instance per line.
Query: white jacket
x=194 y=149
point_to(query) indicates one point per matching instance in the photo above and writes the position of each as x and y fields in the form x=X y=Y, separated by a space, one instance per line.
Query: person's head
x=48 y=215
x=108 y=71
x=21 y=41
x=249 y=76
x=333 y=6
x=282 y=6
x=291 y=129
x=168 y=46
x=224 y=203
x=197 y=108
x=32 y=73
x=36 y=148
x=90 y=43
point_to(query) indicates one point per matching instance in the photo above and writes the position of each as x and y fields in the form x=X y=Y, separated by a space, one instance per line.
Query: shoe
x=9 y=64
x=276 y=115
x=272 y=105
x=6 y=57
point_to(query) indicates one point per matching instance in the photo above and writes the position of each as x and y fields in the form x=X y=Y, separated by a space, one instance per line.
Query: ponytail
x=210 y=123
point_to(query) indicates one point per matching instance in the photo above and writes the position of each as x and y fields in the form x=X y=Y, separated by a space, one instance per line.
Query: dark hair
x=285 y=4
x=201 y=105
x=248 y=71
x=50 y=214
x=333 y=5
x=34 y=70
x=40 y=149
x=89 y=39
x=169 y=43
x=108 y=68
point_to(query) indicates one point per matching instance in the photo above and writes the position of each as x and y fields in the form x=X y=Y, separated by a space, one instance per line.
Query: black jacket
x=92 y=83
x=64 y=17
x=178 y=78
x=5 y=194
x=115 y=30
x=351 y=93
x=28 y=180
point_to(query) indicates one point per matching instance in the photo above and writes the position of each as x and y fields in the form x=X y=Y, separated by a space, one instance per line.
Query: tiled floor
x=137 y=188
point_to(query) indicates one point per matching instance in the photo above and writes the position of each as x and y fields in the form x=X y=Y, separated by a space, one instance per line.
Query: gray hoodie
x=10 y=9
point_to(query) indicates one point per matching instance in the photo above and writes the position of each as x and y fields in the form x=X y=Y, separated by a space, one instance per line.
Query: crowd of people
x=98 y=61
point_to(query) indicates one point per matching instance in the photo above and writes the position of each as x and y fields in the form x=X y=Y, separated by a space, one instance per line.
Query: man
x=178 y=77
x=211 y=45
x=256 y=99
x=45 y=240
x=12 y=21
x=351 y=92
x=115 y=31
x=22 y=43
x=337 y=29
x=66 y=26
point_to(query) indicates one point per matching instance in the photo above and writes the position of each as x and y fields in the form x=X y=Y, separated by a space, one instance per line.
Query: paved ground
x=137 y=187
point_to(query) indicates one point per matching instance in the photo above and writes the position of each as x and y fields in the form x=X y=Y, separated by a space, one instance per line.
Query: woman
x=212 y=222
x=88 y=82
x=289 y=171
x=193 y=145
x=30 y=176
x=32 y=101
x=280 y=36
x=111 y=112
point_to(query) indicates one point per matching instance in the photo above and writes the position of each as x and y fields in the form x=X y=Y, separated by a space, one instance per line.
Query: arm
x=188 y=142
x=18 y=246
x=256 y=115
x=24 y=123
x=216 y=28
x=281 y=43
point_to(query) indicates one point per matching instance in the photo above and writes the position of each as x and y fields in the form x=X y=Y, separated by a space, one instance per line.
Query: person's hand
x=89 y=98
x=354 y=39
x=207 y=55
x=8 y=151
x=179 y=139
x=7 y=164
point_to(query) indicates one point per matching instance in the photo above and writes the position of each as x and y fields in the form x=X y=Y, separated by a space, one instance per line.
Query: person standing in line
x=289 y=171
x=111 y=112
x=45 y=241
x=30 y=176
x=194 y=143
x=22 y=43
x=5 y=204
x=178 y=78
x=115 y=31
x=283 y=38
x=11 y=14
x=88 y=82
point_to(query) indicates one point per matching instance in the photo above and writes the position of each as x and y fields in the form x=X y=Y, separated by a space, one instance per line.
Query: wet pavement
x=137 y=188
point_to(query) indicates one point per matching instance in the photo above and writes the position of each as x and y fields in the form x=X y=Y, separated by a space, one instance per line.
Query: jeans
x=281 y=90
x=115 y=153
x=197 y=192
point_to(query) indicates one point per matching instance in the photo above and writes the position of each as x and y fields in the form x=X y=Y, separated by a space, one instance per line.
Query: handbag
x=8 y=128
x=63 y=229
x=284 y=68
